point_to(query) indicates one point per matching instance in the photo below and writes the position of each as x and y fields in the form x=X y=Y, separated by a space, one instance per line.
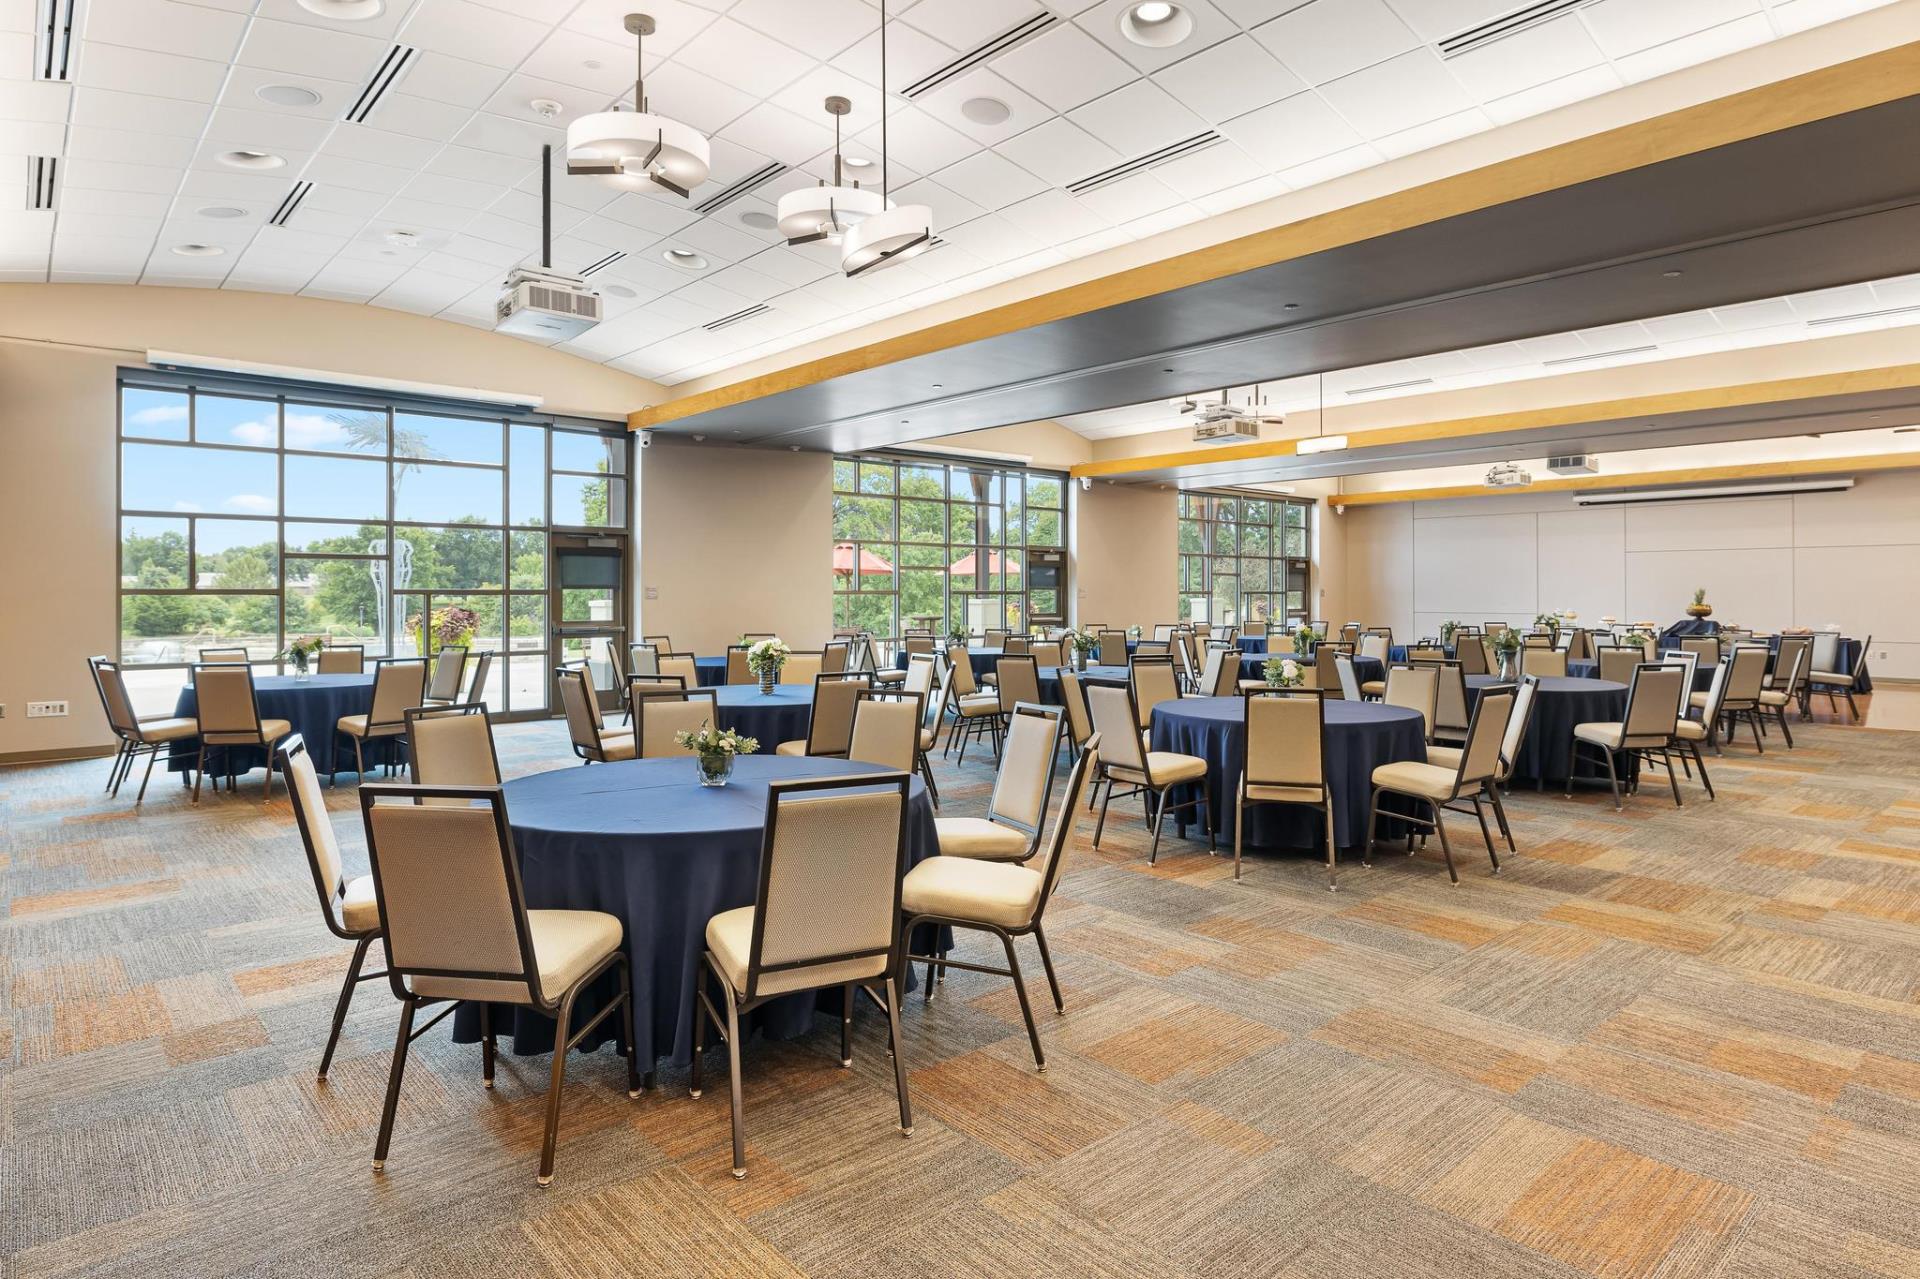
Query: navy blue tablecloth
x=1582 y=670
x=710 y=671
x=314 y=707
x=1559 y=704
x=1251 y=643
x=643 y=841
x=1361 y=736
x=1050 y=680
x=1848 y=652
x=981 y=659
x=1688 y=628
x=1364 y=668
x=1398 y=652
x=772 y=718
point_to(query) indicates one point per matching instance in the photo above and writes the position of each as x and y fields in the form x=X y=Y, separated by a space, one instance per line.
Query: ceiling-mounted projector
x=1506 y=475
x=1223 y=420
x=538 y=303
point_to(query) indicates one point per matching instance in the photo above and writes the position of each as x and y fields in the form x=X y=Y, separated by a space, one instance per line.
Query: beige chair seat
x=1166 y=767
x=974 y=705
x=1772 y=697
x=1445 y=756
x=1254 y=791
x=1607 y=735
x=169 y=729
x=1697 y=700
x=618 y=745
x=1690 y=730
x=566 y=945
x=1832 y=677
x=359 y=910
x=1373 y=688
x=272 y=730
x=978 y=837
x=966 y=888
x=889 y=677
x=730 y=938
x=990 y=678
x=1429 y=781
x=356 y=726
x=928 y=736
x=791 y=748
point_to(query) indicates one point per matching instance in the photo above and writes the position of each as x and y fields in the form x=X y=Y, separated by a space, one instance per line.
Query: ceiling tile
x=361 y=142
x=948 y=105
x=327 y=52
x=335 y=170
x=382 y=26
x=588 y=62
x=743 y=58
x=1527 y=58
x=920 y=140
x=1577 y=87
x=162 y=26
x=1628 y=26
x=965 y=24
x=1230 y=79
x=105 y=109
x=128 y=148
x=1290 y=131
x=1326 y=40
x=1102 y=22
x=1703 y=46
x=164 y=75
x=1064 y=67
x=1213 y=168
x=1436 y=20
x=1060 y=152
x=509 y=137
x=444 y=78
x=1138 y=118
x=1239 y=197
x=717 y=241
x=990 y=180
x=1397 y=94
x=1055 y=217
x=911 y=55
x=250 y=130
x=42 y=101
x=1328 y=167
x=475 y=32
x=820 y=28
x=244 y=84
x=1434 y=133
x=676 y=23
x=949 y=209
x=788 y=138
x=420 y=117
x=1129 y=198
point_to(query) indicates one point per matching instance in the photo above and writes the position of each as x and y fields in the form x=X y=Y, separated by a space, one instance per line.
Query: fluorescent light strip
x=1320 y=444
x=1598 y=355
x=1391 y=386
x=1707 y=494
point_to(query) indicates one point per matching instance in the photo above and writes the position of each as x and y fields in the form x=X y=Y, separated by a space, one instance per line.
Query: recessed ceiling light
x=686 y=259
x=985 y=110
x=346 y=10
x=858 y=162
x=286 y=95
x=545 y=108
x=1673 y=275
x=758 y=220
x=252 y=159
x=1155 y=24
x=403 y=239
x=593 y=64
x=1291 y=306
x=221 y=211
x=620 y=291
x=198 y=250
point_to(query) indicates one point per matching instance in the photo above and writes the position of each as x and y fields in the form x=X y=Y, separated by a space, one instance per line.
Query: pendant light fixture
x=635 y=143
x=1320 y=441
x=897 y=232
x=828 y=211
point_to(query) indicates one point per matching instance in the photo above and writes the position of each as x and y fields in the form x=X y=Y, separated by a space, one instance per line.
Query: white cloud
x=252 y=503
x=159 y=413
x=311 y=431
x=261 y=433
x=190 y=507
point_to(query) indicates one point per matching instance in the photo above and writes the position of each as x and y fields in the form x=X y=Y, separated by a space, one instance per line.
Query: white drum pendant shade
x=891 y=236
x=641 y=145
x=826 y=212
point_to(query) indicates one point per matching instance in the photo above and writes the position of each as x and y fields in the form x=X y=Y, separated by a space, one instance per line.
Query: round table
x=1364 y=668
x=1360 y=737
x=1050 y=680
x=1558 y=704
x=770 y=718
x=314 y=706
x=710 y=671
x=642 y=840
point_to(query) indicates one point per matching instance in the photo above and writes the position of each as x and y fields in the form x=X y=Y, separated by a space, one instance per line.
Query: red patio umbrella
x=996 y=563
x=871 y=565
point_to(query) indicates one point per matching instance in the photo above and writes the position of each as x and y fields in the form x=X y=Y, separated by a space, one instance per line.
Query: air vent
x=759 y=177
x=1391 y=386
x=1139 y=164
x=602 y=264
x=746 y=313
x=1597 y=355
x=1511 y=23
x=563 y=301
x=288 y=205
x=42 y=173
x=1858 y=316
x=53 y=26
x=398 y=59
x=982 y=52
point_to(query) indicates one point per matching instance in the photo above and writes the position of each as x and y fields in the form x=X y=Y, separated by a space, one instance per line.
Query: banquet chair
x=1019 y=682
x=1010 y=832
x=1426 y=652
x=398 y=683
x=229 y=716
x=1163 y=631
x=449 y=675
x=659 y=713
x=800 y=668
x=1511 y=743
x=738 y=672
x=1344 y=679
x=1073 y=699
x=457 y=929
x=1744 y=686
x=1256 y=629
x=1544 y=662
x=343 y=659
x=918 y=644
x=136 y=736
x=1326 y=674
x=1783 y=659
x=1279 y=643
x=1153 y=682
x=1283 y=761
x=933 y=712
x=347 y=906
x=1782 y=695
x=477 y=686
x=862 y=658
x=1002 y=898
x=683 y=665
x=1580 y=648
x=833 y=657
x=994 y=637
x=1442 y=788
x=1617 y=665
x=1690 y=732
x=1826 y=657
x=1377 y=645
x=1216 y=673
x=585 y=729
x=1016 y=646
x=660 y=642
x=1415 y=688
x=1125 y=760
x=451 y=746
x=1153 y=648
x=642 y=659
x=1471 y=652
x=223 y=656
x=1706 y=649
x=1111 y=649
x=886 y=729
x=753 y=637
x=1189 y=668
x=975 y=711
x=1825 y=679
x=827 y=913
x=1451 y=716
x=1048 y=653
x=1495 y=628
x=1536 y=639
x=1648 y=730
x=830 y=721
x=1350 y=634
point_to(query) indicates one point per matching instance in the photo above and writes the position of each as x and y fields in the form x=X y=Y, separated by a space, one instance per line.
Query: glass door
x=588 y=603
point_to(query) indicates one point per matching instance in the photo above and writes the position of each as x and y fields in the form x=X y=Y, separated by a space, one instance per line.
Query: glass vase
x=768 y=675
x=300 y=671
x=714 y=770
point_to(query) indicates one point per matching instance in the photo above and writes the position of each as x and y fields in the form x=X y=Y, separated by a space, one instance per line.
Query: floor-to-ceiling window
x=921 y=542
x=253 y=513
x=1243 y=558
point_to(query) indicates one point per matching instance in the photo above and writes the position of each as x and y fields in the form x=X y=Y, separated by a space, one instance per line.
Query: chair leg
x=733 y=1085
x=1493 y=854
x=395 y=1072
x=1853 y=707
x=633 y=1040
x=1701 y=761
x=1046 y=962
x=1446 y=849
x=1333 y=883
x=1780 y=713
x=1159 y=805
x=1673 y=781
x=1239 y=828
x=346 y=998
x=699 y=1028
x=1500 y=815
x=846 y=1025
x=899 y=1059
x=487 y=1047
x=552 y=1136
x=113 y=771
x=1206 y=815
x=1026 y=1009
x=1373 y=824
x=1102 y=823
x=199 y=770
x=145 y=777
x=359 y=763
x=1573 y=762
x=1613 y=777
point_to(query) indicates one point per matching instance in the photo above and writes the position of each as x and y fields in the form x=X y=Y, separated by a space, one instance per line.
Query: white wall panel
x=1750 y=588
x=1727 y=524
x=1379 y=566
x=1866 y=589
x=1478 y=564
x=1878 y=510
x=1583 y=563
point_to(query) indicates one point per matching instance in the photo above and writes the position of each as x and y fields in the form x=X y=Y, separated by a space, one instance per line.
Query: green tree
x=154 y=615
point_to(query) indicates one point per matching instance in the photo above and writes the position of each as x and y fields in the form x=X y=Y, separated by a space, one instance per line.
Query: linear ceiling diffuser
x=636 y=143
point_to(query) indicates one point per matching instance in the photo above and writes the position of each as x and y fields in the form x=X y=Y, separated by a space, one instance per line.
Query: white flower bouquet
x=714 y=750
x=1283 y=672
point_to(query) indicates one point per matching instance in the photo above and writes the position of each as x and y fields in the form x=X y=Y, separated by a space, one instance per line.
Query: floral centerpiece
x=1305 y=638
x=1506 y=646
x=449 y=627
x=958 y=636
x=714 y=750
x=301 y=652
x=1134 y=631
x=1283 y=672
x=1083 y=643
x=765 y=658
x=1637 y=639
x=1700 y=607
x=1447 y=630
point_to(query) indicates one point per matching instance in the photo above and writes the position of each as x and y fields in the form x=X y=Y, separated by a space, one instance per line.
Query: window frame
x=1199 y=573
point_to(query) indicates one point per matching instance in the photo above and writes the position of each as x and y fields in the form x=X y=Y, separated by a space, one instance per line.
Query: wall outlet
x=45 y=710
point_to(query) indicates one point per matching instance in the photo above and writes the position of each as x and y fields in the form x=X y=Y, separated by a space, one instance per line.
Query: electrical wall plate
x=45 y=710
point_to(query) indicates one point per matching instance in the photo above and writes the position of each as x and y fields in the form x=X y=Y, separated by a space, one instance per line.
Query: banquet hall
x=960 y=637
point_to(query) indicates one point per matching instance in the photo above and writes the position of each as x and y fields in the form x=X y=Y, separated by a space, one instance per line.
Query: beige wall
x=1125 y=554
x=733 y=540
x=60 y=346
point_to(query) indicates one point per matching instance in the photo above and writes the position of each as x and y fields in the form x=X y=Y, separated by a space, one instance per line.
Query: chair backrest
x=995 y=637
x=1153 y=683
x=582 y=710
x=1048 y=652
x=449 y=674
x=1471 y=652
x=1705 y=648
x=1286 y=737
x=1826 y=651
x=316 y=829
x=752 y=637
x=831 y=860
x=1654 y=701
x=1860 y=658
x=452 y=912
x=643 y=659
x=1716 y=692
x=1053 y=849
x=1118 y=725
x=343 y=659
x=482 y=666
x=1794 y=650
x=1112 y=649
x=1543 y=662
x=1350 y=633
x=830 y=723
x=1344 y=677
x=1517 y=724
x=659 y=642
x=1073 y=695
x=934 y=702
x=886 y=729
x=1619 y=664
x=921 y=671
x=1279 y=641
x=1015 y=645
x=1017 y=679
x=112 y=687
x=451 y=746
x=398 y=683
x=227 y=712
x=1426 y=653
x=1495 y=628
x=1153 y=648
x=1257 y=629
x=958 y=661
x=222 y=656
x=660 y=713
x=1415 y=688
x=1327 y=673
x=640 y=685
x=1209 y=680
x=1686 y=661
x=683 y=665
x=1580 y=645
x=737 y=669
x=616 y=659
x=1749 y=673
x=1451 y=717
x=1025 y=779
x=919 y=644
x=1480 y=758
x=833 y=657
x=1375 y=646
